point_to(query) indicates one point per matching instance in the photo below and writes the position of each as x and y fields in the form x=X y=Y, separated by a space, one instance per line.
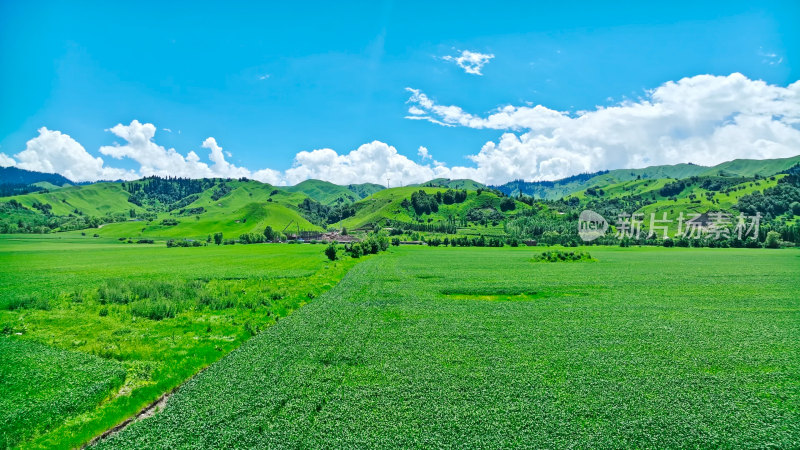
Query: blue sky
x=270 y=80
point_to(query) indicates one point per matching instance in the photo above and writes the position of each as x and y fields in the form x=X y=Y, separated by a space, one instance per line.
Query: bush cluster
x=562 y=256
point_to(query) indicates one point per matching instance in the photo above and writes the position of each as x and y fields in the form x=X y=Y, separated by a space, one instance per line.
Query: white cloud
x=471 y=62
x=6 y=161
x=370 y=163
x=222 y=168
x=373 y=162
x=55 y=152
x=154 y=159
x=770 y=58
x=423 y=153
x=507 y=117
x=703 y=119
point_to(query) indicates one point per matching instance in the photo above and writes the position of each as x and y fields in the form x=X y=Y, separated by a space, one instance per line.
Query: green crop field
x=423 y=347
x=127 y=323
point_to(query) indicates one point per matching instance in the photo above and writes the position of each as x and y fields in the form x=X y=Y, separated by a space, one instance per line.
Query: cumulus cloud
x=6 y=161
x=55 y=152
x=702 y=119
x=471 y=62
x=154 y=159
x=221 y=167
x=373 y=162
x=423 y=153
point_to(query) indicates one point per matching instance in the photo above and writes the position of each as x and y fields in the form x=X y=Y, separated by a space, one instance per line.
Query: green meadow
x=423 y=347
x=416 y=347
x=142 y=318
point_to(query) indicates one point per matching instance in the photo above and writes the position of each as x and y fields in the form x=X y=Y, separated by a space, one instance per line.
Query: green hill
x=395 y=204
x=752 y=167
x=249 y=207
x=328 y=193
x=181 y=208
x=14 y=175
x=93 y=200
x=553 y=190
x=470 y=185
x=48 y=186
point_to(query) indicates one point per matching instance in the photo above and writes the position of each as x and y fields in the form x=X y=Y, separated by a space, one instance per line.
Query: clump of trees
x=184 y=243
x=374 y=243
x=563 y=256
x=157 y=191
x=323 y=215
x=774 y=201
x=423 y=203
x=221 y=191
x=252 y=238
x=467 y=241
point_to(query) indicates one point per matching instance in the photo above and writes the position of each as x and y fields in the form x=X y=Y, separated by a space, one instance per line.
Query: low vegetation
x=563 y=256
x=139 y=319
x=650 y=347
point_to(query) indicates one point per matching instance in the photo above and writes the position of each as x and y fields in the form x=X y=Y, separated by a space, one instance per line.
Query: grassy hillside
x=93 y=200
x=699 y=194
x=329 y=193
x=14 y=175
x=249 y=208
x=553 y=190
x=388 y=204
x=470 y=185
x=752 y=167
x=156 y=208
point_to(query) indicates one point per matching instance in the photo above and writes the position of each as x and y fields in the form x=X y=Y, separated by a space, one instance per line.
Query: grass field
x=41 y=385
x=453 y=347
x=156 y=314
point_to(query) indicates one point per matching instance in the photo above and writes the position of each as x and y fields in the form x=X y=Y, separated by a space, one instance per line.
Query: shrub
x=562 y=256
x=331 y=252
x=773 y=240
x=507 y=204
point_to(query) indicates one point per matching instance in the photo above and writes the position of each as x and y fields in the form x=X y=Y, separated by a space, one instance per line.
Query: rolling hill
x=388 y=205
x=470 y=185
x=181 y=208
x=553 y=190
x=328 y=193
x=14 y=175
